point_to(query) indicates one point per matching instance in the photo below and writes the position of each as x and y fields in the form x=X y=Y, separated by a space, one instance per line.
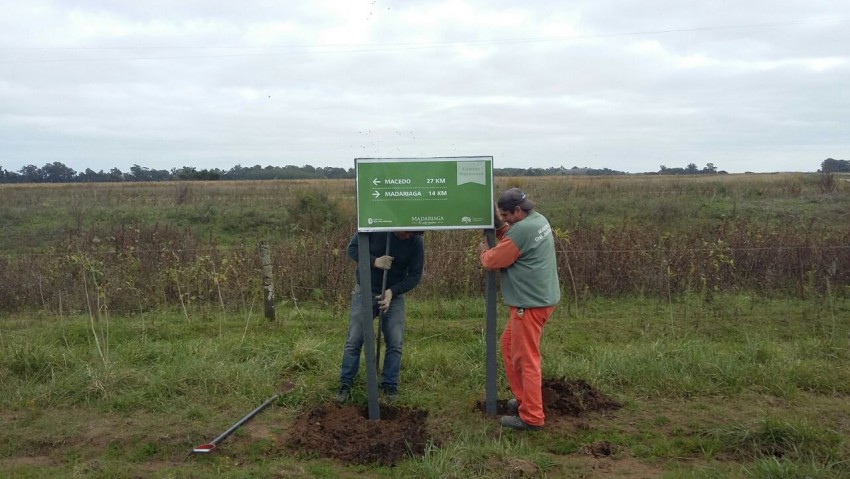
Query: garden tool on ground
x=210 y=446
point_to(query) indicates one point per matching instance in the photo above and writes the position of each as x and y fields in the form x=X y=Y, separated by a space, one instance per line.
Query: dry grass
x=153 y=245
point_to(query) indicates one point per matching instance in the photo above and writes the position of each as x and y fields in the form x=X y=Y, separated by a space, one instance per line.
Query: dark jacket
x=408 y=261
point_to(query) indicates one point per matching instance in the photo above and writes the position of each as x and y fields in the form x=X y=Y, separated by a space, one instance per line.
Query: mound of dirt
x=566 y=398
x=346 y=433
x=574 y=398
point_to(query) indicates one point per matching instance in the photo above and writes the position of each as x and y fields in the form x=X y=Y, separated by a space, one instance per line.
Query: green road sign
x=424 y=193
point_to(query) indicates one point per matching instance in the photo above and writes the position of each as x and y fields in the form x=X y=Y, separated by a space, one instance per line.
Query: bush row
x=133 y=268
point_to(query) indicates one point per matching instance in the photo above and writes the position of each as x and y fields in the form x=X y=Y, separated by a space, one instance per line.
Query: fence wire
x=147 y=271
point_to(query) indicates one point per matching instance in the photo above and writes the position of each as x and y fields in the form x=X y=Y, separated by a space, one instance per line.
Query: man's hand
x=384 y=262
x=483 y=246
x=384 y=304
x=498 y=221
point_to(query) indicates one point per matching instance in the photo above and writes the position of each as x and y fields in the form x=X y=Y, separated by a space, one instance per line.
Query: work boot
x=343 y=393
x=514 y=422
x=390 y=394
x=512 y=406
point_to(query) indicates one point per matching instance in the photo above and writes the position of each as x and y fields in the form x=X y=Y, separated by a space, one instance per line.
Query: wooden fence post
x=268 y=282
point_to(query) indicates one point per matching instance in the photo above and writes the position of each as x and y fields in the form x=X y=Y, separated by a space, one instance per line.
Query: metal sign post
x=364 y=268
x=490 y=392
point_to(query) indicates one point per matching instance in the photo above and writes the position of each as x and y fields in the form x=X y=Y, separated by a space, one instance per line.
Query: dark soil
x=345 y=432
x=566 y=398
x=574 y=398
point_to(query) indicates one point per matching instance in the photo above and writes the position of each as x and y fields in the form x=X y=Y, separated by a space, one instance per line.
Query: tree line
x=57 y=172
x=830 y=165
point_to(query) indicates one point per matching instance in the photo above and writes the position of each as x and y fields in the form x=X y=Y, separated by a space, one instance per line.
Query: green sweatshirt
x=532 y=280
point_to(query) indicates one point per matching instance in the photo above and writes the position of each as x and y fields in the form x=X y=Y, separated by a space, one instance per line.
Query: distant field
x=33 y=217
x=155 y=245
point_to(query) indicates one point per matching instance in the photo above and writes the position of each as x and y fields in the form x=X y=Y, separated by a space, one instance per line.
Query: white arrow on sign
x=376 y=194
x=376 y=182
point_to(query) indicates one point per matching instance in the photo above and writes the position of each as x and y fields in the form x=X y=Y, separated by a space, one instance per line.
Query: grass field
x=715 y=309
x=739 y=387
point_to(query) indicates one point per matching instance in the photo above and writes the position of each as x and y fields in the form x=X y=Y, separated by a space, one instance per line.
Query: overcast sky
x=757 y=85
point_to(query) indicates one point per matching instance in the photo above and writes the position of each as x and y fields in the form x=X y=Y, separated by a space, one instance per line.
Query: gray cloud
x=759 y=86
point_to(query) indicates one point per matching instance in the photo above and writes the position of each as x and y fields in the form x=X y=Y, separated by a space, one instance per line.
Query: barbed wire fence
x=138 y=271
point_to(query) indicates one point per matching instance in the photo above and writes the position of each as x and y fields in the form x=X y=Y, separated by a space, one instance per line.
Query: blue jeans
x=392 y=328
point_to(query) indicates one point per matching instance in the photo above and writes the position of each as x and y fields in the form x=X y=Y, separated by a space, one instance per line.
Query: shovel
x=381 y=315
x=210 y=446
x=286 y=387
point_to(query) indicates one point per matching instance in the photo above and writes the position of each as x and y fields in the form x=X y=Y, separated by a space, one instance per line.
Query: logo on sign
x=427 y=220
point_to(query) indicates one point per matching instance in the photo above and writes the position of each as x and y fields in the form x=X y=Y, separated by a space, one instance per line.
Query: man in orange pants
x=525 y=254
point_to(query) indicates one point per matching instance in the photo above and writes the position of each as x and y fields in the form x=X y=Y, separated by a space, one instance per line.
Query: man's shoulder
x=419 y=242
x=527 y=223
x=528 y=226
x=536 y=216
x=414 y=244
x=536 y=220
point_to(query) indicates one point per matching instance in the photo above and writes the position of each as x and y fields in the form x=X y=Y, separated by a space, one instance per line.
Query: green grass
x=737 y=387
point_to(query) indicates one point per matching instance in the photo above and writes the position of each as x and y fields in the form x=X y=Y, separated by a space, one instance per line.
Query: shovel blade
x=204 y=449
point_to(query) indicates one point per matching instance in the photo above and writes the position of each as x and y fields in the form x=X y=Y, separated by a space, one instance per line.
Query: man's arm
x=353 y=248
x=414 y=270
x=354 y=251
x=504 y=254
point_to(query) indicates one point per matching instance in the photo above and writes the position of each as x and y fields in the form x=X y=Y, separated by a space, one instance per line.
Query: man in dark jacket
x=403 y=265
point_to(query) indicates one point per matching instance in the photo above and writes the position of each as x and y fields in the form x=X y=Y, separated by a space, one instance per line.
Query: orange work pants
x=521 y=353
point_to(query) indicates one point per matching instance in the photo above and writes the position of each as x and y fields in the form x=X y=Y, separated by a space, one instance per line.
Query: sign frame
x=431 y=182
